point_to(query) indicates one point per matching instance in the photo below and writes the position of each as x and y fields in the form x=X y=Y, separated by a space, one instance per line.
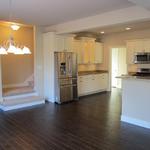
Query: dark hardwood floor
x=92 y=123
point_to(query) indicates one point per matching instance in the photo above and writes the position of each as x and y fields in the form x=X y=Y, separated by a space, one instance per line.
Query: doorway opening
x=118 y=66
x=17 y=70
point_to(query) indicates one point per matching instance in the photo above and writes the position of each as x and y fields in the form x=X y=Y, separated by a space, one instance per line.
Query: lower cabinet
x=88 y=84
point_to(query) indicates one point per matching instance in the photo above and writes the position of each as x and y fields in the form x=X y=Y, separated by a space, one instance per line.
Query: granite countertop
x=133 y=77
x=82 y=73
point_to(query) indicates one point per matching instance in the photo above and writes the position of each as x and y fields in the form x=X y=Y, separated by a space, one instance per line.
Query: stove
x=143 y=72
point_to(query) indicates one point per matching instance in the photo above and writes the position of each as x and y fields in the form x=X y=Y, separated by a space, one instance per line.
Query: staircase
x=21 y=101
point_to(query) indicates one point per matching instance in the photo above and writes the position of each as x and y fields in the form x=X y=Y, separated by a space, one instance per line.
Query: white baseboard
x=7 y=108
x=134 y=121
x=90 y=93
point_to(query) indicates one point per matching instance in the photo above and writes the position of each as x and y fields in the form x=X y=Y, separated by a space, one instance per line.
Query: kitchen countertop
x=134 y=77
x=82 y=73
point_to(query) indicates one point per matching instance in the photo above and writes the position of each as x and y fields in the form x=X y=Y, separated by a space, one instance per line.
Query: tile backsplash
x=134 y=67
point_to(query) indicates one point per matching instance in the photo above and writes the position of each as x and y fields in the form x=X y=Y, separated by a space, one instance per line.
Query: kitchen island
x=136 y=100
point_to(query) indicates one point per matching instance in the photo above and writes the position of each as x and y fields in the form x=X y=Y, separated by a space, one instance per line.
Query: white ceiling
x=121 y=27
x=50 y=12
x=145 y=3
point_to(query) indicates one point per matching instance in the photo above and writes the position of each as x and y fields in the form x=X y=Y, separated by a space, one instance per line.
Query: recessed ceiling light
x=128 y=28
x=15 y=27
x=102 y=32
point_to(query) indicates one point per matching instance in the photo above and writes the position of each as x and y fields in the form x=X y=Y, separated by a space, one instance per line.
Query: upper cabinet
x=77 y=47
x=64 y=43
x=98 y=52
x=59 y=43
x=68 y=44
x=135 y=46
x=88 y=51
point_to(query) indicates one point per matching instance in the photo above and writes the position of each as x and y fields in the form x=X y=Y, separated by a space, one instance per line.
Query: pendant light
x=10 y=46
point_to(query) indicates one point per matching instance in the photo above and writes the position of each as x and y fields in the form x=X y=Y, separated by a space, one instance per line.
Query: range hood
x=87 y=35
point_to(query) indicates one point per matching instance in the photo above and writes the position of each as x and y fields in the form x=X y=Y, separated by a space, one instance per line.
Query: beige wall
x=17 y=68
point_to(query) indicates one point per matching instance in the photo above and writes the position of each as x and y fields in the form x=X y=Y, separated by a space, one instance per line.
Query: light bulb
x=11 y=49
x=26 y=50
x=15 y=27
x=3 y=51
x=102 y=32
x=18 y=51
x=128 y=28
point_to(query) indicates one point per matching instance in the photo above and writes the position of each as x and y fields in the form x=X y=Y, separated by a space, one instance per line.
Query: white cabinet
x=59 y=43
x=134 y=46
x=89 y=84
x=83 y=85
x=104 y=81
x=89 y=51
x=98 y=52
x=64 y=43
x=68 y=44
x=77 y=48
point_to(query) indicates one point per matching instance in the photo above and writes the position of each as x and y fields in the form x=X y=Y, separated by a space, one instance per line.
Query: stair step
x=23 y=95
x=16 y=103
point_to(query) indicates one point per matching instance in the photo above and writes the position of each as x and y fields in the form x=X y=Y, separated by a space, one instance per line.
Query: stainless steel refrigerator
x=65 y=77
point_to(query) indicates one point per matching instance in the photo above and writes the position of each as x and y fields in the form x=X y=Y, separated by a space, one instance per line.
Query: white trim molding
x=8 y=108
x=134 y=121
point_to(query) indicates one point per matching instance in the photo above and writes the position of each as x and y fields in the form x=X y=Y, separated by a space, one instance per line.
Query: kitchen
x=78 y=106
x=94 y=58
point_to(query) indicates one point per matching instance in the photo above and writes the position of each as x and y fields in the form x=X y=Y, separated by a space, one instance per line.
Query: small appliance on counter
x=65 y=77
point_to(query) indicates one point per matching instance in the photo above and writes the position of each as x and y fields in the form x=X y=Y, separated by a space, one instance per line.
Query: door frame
x=110 y=65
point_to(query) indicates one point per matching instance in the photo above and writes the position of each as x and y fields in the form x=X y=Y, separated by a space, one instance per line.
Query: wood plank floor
x=93 y=123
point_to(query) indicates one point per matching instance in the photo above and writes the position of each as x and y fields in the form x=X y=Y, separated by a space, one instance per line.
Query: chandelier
x=10 y=46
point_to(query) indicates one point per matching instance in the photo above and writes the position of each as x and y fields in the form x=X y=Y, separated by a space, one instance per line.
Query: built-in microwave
x=142 y=58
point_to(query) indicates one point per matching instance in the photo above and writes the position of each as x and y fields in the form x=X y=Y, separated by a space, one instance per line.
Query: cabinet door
x=97 y=83
x=91 y=52
x=60 y=43
x=68 y=44
x=98 y=52
x=83 y=84
x=77 y=48
x=85 y=51
x=104 y=81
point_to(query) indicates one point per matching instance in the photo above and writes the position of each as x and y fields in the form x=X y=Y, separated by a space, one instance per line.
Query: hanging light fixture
x=15 y=27
x=10 y=46
x=3 y=51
